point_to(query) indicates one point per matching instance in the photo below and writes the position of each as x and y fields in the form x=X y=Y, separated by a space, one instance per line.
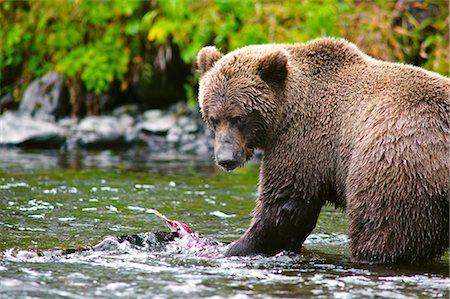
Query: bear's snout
x=227 y=157
x=229 y=151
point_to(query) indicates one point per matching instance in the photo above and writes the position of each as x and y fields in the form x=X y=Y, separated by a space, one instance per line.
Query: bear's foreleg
x=277 y=225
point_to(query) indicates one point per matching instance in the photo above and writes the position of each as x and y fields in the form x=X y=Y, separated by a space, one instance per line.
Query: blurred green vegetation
x=96 y=44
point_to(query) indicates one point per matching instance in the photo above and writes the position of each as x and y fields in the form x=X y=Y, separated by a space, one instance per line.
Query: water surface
x=52 y=199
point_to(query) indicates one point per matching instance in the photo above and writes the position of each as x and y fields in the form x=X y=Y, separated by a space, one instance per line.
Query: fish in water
x=187 y=239
x=181 y=236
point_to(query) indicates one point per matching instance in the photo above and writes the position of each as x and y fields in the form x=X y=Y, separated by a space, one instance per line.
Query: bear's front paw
x=236 y=249
x=243 y=247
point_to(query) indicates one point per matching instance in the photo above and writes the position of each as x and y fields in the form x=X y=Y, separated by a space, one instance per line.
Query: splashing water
x=189 y=240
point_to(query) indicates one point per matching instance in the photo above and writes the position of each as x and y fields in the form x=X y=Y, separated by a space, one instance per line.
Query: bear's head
x=239 y=94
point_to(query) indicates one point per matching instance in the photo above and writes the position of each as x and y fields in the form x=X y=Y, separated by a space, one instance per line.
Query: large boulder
x=101 y=131
x=156 y=122
x=25 y=131
x=46 y=98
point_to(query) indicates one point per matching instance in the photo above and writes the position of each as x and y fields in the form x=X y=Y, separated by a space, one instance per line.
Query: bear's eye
x=213 y=122
x=237 y=120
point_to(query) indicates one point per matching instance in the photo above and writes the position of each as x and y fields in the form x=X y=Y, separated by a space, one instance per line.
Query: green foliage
x=97 y=42
x=414 y=32
x=87 y=38
x=100 y=62
x=385 y=29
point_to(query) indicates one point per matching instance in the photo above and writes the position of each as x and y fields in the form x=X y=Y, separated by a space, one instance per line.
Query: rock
x=130 y=109
x=7 y=102
x=190 y=135
x=155 y=143
x=125 y=121
x=46 y=98
x=152 y=114
x=130 y=132
x=172 y=129
x=173 y=137
x=184 y=131
x=189 y=125
x=21 y=130
x=157 y=124
x=200 y=146
x=67 y=122
x=99 y=131
x=131 y=135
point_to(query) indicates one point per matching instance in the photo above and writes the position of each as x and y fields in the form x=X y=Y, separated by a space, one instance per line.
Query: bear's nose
x=226 y=158
x=228 y=164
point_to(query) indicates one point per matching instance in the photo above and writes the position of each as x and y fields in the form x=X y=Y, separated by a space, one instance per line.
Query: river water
x=52 y=200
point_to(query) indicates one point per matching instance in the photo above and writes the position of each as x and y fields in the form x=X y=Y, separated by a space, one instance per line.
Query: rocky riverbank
x=177 y=127
x=42 y=121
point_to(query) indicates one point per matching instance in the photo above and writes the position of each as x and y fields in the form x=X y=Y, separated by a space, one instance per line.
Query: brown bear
x=336 y=127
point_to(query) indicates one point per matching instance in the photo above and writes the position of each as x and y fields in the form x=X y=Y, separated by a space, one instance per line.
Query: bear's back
x=339 y=60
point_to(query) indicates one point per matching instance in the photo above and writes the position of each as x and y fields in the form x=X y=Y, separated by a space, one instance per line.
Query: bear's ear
x=273 y=67
x=206 y=59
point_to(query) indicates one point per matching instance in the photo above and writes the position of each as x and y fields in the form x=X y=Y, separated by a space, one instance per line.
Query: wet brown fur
x=336 y=126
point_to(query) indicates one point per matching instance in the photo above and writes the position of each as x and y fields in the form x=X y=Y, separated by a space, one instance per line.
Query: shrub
x=97 y=43
x=391 y=30
x=91 y=41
